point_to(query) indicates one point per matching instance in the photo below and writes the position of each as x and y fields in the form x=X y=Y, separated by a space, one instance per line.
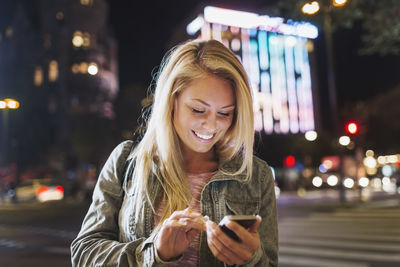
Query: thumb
x=254 y=227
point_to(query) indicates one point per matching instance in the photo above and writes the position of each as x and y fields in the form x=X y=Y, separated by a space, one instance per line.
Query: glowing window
x=9 y=32
x=87 y=2
x=38 y=76
x=86 y=39
x=77 y=39
x=235 y=44
x=75 y=68
x=80 y=39
x=83 y=67
x=93 y=69
x=53 y=71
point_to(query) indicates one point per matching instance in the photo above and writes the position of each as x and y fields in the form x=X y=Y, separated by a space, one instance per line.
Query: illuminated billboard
x=275 y=56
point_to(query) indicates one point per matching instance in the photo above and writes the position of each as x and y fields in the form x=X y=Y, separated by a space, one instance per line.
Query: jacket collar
x=230 y=167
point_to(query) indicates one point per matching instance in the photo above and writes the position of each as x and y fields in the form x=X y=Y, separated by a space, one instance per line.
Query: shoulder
x=260 y=164
x=123 y=147
x=261 y=170
x=119 y=155
x=122 y=150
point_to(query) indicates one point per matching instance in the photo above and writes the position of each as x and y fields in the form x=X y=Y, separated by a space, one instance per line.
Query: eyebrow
x=206 y=104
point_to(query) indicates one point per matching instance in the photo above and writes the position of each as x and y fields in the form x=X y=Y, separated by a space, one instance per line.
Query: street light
x=312 y=8
x=5 y=105
x=311 y=135
x=339 y=2
x=9 y=103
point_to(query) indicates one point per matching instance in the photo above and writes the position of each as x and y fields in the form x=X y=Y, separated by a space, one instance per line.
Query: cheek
x=184 y=121
x=225 y=124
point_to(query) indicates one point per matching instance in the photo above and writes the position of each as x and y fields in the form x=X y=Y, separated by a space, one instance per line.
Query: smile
x=204 y=136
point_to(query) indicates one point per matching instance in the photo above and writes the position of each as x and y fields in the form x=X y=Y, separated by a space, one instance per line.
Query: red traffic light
x=352 y=127
x=289 y=161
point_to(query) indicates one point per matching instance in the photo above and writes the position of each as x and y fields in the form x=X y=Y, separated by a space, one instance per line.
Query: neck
x=200 y=162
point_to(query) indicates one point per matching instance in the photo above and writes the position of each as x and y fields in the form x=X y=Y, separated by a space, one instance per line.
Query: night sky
x=144 y=33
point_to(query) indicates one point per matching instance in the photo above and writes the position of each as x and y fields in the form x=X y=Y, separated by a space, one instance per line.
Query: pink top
x=196 y=184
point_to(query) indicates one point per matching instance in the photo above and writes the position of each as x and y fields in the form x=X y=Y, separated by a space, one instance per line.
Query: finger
x=184 y=213
x=173 y=225
x=219 y=255
x=226 y=245
x=239 y=230
x=254 y=227
x=249 y=238
x=196 y=223
x=249 y=243
x=217 y=252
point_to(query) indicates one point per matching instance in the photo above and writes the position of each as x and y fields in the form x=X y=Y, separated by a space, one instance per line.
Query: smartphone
x=244 y=220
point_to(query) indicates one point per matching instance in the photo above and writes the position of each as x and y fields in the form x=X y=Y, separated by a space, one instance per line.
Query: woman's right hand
x=177 y=232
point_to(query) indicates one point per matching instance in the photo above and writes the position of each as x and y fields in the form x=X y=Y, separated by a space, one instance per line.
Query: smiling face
x=203 y=112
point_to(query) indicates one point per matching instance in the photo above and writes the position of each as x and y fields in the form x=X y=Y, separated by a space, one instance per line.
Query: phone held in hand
x=244 y=220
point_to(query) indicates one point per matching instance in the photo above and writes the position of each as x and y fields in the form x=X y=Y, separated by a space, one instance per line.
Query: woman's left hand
x=228 y=250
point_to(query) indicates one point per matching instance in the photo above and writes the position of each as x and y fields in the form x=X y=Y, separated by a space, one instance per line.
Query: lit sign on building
x=275 y=56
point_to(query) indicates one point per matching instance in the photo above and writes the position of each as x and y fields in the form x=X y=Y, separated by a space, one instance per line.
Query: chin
x=202 y=150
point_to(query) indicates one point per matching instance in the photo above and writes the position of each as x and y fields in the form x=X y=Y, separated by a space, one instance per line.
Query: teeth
x=206 y=137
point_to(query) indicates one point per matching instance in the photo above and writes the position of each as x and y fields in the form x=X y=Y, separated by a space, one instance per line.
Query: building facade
x=275 y=55
x=59 y=59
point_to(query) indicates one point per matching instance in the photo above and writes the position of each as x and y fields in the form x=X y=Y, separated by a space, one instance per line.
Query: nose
x=210 y=123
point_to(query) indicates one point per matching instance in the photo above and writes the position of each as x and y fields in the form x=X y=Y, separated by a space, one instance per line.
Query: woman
x=195 y=161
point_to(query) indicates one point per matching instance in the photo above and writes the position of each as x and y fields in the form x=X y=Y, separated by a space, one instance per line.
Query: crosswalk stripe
x=395 y=203
x=338 y=253
x=343 y=218
x=314 y=262
x=58 y=250
x=356 y=236
x=341 y=244
x=11 y=244
x=332 y=223
x=389 y=216
x=356 y=220
x=332 y=220
x=334 y=227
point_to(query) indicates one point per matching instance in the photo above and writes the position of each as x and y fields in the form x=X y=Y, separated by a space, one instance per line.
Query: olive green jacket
x=111 y=236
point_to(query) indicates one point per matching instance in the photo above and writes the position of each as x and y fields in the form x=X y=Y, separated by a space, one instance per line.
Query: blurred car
x=41 y=190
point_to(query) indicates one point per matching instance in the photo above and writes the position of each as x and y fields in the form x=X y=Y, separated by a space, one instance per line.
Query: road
x=39 y=234
x=314 y=231
x=330 y=234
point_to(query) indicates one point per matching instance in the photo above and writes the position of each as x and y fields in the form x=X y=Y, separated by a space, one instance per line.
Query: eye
x=224 y=114
x=197 y=111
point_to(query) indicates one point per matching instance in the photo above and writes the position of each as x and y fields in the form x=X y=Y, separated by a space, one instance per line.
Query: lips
x=205 y=137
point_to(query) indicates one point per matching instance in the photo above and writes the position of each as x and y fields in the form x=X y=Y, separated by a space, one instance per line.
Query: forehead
x=211 y=89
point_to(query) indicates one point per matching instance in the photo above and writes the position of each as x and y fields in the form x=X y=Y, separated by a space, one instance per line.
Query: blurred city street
x=77 y=78
x=327 y=233
x=39 y=234
x=315 y=230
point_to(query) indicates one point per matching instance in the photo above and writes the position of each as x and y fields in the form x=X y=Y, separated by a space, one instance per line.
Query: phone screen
x=244 y=220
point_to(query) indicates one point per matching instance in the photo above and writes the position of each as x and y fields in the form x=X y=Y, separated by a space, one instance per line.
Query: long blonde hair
x=159 y=153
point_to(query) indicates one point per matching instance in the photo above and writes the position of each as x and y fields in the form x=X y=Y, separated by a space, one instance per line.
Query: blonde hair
x=159 y=152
